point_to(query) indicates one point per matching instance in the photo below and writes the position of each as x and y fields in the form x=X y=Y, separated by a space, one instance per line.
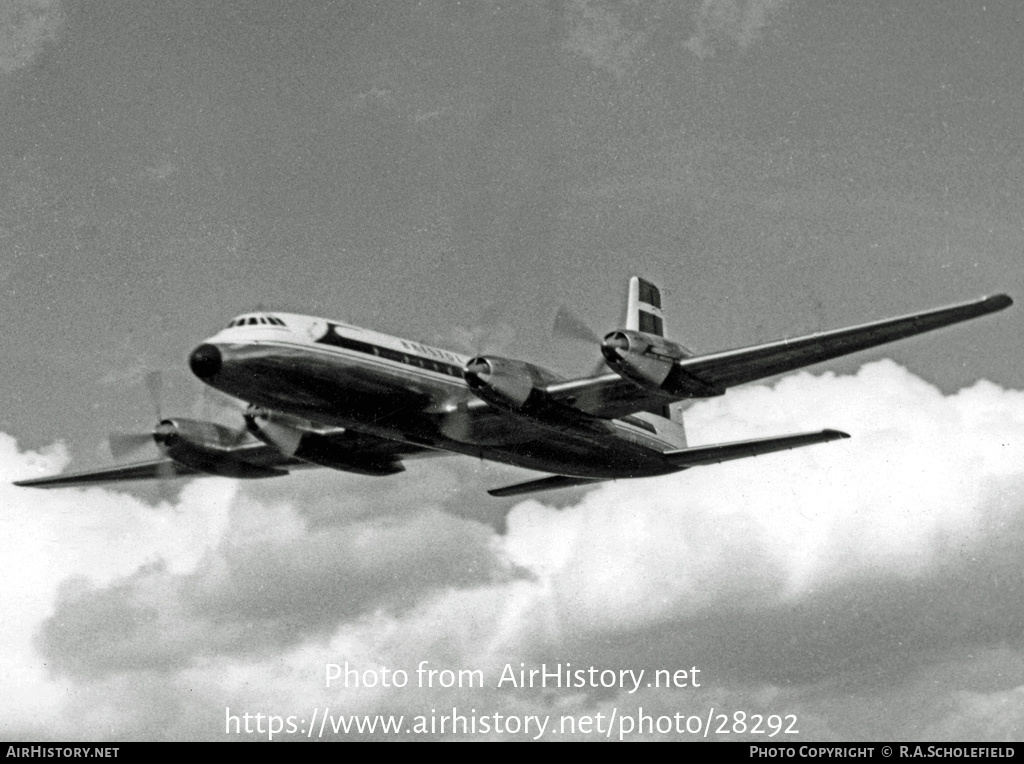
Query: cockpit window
x=256 y=321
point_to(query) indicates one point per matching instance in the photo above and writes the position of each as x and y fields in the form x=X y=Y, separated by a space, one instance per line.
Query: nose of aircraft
x=205 y=361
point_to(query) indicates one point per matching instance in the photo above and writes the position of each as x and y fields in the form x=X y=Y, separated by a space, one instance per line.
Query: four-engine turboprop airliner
x=325 y=393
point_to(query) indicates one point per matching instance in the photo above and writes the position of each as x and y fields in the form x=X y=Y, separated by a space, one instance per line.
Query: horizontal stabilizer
x=544 y=484
x=723 y=452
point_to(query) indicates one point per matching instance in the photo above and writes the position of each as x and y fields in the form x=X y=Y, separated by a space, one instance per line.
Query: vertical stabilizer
x=644 y=314
x=643 y=311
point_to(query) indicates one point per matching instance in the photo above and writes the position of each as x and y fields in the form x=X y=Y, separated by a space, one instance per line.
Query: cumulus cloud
x=56 y=541
x=730 y=24
x=260 y=593
x=833 y=583
x=25 y=27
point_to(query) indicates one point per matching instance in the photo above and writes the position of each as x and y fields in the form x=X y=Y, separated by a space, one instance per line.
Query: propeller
x=155 y=388
x=125 y=444
x=570 y=326
x=129 y=444
x=226 y=412
x=483 y=339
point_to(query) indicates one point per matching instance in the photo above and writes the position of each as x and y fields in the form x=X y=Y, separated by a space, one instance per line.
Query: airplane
x=325 y=393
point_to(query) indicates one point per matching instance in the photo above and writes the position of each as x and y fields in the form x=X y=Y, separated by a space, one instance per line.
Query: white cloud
x=60 y=540
x=832 y=581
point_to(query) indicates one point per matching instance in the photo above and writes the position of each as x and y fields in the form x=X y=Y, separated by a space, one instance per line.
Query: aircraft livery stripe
x=332 y=337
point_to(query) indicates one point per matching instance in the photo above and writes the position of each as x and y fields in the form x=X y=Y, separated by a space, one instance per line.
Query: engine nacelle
x=206 y=446
x=336 y=449
x=506 y=383
x=652 y=362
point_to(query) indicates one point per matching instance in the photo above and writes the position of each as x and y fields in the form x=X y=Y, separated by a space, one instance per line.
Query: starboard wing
x=612 y=396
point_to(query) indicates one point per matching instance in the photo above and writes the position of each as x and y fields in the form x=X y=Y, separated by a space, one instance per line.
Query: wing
x=696 y=456
x=608 y=396
x=346 y=451
x=612 y=396
x=157 y=468
x=685 y=458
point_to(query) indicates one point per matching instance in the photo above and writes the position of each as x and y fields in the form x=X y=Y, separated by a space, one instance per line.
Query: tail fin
x=643 y=311
x=644 y=314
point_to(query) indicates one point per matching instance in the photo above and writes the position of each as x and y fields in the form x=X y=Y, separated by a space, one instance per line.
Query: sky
x=453 y=173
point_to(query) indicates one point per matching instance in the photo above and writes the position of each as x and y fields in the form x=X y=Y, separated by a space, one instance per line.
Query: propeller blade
x=226 y=411
x=167 y=489
x=155 y=386
x=214 y=402
x=124 y=444
x=285 y=439
x=569 y=325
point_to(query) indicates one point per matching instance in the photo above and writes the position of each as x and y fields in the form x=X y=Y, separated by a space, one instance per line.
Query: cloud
x=611 y=36
x=730 y=23
x=491 y=339
x=55 y=541
x=266 y=588
x=25 y=27
x=162 y=170
x=599 y=35
x=870 y=588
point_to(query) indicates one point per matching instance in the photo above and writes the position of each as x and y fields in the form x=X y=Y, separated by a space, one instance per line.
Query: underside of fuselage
x=423 y=407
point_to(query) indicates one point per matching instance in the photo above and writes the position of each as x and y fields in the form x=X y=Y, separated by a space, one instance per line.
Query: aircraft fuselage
x=337 y=374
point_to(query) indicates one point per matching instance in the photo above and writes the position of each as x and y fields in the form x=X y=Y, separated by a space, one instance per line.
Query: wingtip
x=835 y=434
x=31 y=483
x=42 y=482
x=992 y=303
x=998 y=301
